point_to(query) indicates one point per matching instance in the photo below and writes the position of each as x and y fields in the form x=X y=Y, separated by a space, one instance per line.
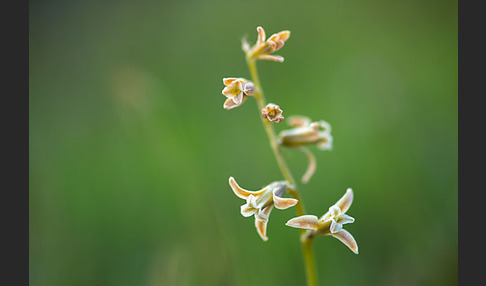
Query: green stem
x=306 y=243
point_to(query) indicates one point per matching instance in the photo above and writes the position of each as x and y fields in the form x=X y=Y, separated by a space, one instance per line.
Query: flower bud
x=273 y=113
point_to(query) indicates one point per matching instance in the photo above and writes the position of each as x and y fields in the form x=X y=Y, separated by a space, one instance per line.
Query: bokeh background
x=131 y=150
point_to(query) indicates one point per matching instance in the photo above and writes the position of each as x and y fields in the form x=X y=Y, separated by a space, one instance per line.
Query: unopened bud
x=273 y=113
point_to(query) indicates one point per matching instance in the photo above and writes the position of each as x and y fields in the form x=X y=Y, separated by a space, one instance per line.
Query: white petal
x=238 y=99
x=261 y=216
x=344 y=219
x=251 y=201
x=324 y=141
x=325 y=125
x=335 y=227
x=247 y=211
x=304 y=221
x=335 y=211
x=346 y=238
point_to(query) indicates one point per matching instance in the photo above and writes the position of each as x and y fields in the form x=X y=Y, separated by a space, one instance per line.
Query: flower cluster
x=331 y=223
x=260 y=203
x=264 y=48
x=303 y=133
x=236 y=90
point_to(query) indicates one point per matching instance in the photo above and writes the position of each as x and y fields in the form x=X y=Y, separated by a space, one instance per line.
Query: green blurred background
x=131 y=150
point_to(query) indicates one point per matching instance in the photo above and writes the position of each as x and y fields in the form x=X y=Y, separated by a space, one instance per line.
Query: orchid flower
x=260 y=203
x=331 y=223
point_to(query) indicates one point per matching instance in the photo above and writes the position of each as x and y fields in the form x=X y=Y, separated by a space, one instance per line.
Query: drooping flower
x=263 y=48
x=260 y=203
x=273 y=113
x=331 y=223
x=236 y=90
x=306 y=133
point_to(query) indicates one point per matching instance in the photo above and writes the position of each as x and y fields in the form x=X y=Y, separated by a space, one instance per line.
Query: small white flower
x=236 y=90
x=331 y=223
x=260 y=203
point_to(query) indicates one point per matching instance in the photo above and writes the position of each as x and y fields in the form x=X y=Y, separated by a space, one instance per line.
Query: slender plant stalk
x=307 y=252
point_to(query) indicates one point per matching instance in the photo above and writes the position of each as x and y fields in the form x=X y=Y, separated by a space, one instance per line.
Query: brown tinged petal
x=261 y=226
x=345 y=237
x=345 y=201
x=242 y=193
x=304 y=221
x=283 y=203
